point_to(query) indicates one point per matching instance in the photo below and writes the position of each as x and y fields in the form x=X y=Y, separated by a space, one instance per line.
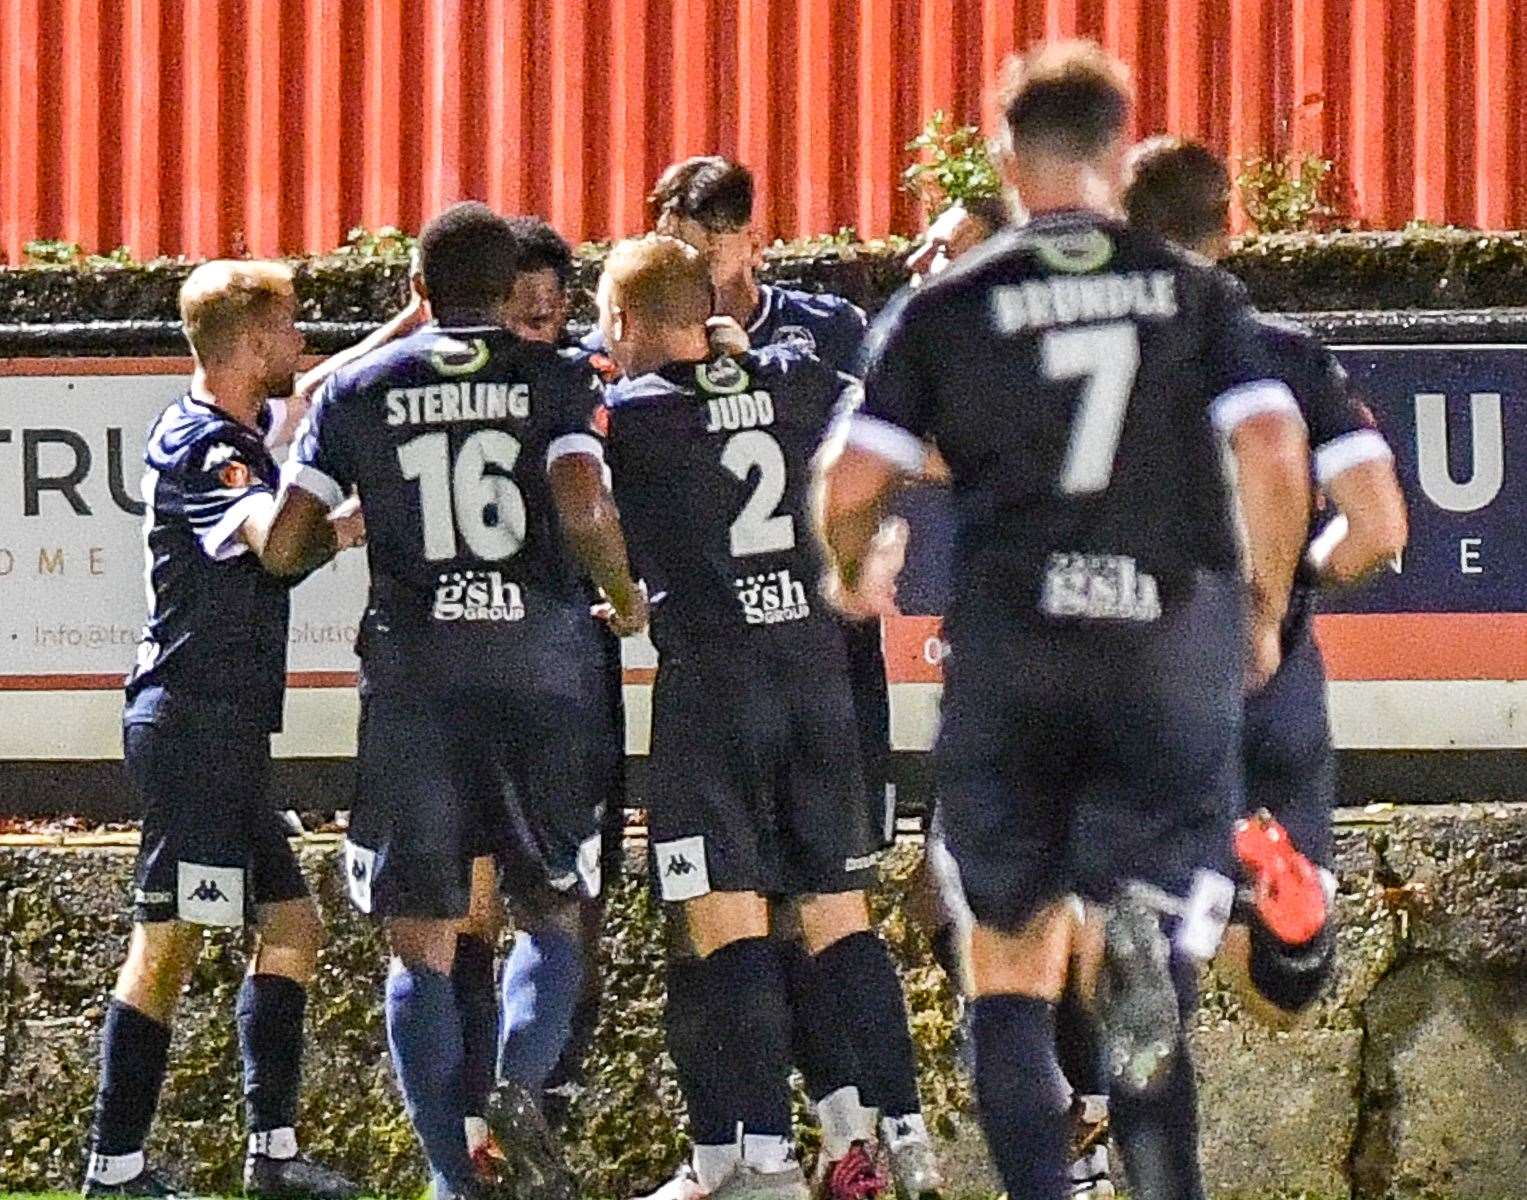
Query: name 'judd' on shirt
x=1067 y=299
x=441 y=403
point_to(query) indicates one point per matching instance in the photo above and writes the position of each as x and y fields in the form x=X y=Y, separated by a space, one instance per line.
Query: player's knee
x=423 y=942
x=159 y=961
x=1291 y=978
x=291 y=934
x=485 y=909
x=829 y=918
x=717 y=919
x=1033 y=960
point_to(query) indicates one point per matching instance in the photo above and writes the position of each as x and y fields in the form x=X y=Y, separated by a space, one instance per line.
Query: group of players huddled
x=1148 y=480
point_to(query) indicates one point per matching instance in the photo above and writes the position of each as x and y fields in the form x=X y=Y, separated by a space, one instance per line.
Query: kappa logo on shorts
x=360 y=874
x=207 y=895
x=681 y=869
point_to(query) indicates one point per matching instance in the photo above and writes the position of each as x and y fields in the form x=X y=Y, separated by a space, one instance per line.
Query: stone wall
x=1405 y=1082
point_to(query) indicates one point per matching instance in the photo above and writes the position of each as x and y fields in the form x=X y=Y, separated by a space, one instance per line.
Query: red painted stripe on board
x=142 y=365
x=1357 y=646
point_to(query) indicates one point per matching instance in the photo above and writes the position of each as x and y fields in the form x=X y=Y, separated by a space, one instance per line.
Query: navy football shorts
x=1290 y=765
x=1075 y=758
x=213 y=846
x=872 y=712
x=445 y=777
x=753 y=781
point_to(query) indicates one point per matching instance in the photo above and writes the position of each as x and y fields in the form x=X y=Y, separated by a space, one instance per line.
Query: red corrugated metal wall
x=204 y=126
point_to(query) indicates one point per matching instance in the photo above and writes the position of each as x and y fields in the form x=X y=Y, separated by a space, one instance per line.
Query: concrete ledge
x=1406 y=1081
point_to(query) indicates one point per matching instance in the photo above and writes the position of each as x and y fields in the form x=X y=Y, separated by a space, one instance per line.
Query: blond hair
x=221 y=299
x=659 y=281
x=1070 y=98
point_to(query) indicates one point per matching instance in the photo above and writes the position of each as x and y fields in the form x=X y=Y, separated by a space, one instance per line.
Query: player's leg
x=135 y=1040
x=408 y=863
x=476 y=987
x=272 y=1004
x=715 y=854
x=1281 y=949
x=1001 y=769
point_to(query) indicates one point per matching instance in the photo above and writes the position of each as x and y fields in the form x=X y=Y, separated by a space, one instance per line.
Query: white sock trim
x=844 y=1121
x=274 y=1143
x=911 y=1127
x=713 y=1164
x=477 y=1133
x=767 y=1153
x=1094 y=1109
x=112 y=1169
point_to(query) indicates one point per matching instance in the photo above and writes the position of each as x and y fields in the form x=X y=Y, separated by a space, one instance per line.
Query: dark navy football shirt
x=447 y=436
x=712 y=465
x=828 y=326
x=1078 y=377
x=214 y=644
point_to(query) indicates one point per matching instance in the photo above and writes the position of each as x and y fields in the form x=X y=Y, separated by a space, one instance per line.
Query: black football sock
x=1024 y=1111
x=1157 y=1135
x=135 y=1050
x=736 y=1042
x=1078 y=1045
x=860 y=981
x=477 y=1001
x=269 y=1012
x=819 y=1045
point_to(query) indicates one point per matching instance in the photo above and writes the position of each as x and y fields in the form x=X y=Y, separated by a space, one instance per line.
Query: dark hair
x=541 y=248
x=991 y=211
x=468 y=255
x=1178 y=189
x=709 y=189
x=1066 y=98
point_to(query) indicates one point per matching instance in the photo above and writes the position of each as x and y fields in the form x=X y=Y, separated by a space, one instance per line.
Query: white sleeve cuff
x=277 y=435
x=574 y=443
x=221 y=542
x=1249 y=400
x=312 y=481
x=1348 y=451
x=885 y=440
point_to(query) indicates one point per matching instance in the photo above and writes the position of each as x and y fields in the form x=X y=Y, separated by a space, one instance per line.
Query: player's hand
x=349 y=523
x=726 y=336
x=631 y=617
x=1264 y=656
x=874 y=596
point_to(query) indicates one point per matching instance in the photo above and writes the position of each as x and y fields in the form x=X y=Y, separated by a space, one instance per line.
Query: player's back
x=1068 y=372
x=447 y=436
x=711 y=466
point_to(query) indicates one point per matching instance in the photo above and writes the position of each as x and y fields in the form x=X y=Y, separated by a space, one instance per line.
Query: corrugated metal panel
x=206 y=126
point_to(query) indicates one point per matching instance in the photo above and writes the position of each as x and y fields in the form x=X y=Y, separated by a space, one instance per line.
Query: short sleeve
x=897 y=406
x=1245 y=381
x=318 y=463
x=221 y=489
x=1343 y=433
x=578 y=420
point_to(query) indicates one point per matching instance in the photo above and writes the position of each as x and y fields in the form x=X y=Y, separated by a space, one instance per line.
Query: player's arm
x=415 y=313
x=1354 y=467
x=591 y=524
x=313 y=518
x=876 y=445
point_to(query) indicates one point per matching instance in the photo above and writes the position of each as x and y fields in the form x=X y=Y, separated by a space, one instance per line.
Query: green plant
x=1287 y=195
x=52 y=252
x=388 y=243
x=951 y=163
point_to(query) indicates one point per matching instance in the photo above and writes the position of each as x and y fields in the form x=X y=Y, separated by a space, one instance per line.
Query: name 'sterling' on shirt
x=447 y=435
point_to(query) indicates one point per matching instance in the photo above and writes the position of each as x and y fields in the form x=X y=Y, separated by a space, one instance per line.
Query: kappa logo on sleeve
x=681 y=869
x=207 y=895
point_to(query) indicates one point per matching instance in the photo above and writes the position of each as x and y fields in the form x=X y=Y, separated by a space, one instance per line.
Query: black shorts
x=872 y=712
x=445 y=777
x=754 y=782
x=213 y=846
x=1073 y=759
x=1290 y=765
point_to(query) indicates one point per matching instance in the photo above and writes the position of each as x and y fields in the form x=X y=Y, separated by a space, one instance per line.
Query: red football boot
x=1286 y=887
